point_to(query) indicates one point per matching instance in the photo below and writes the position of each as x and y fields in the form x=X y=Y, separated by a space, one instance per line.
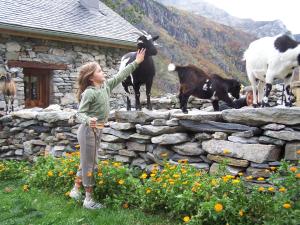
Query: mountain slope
x=200 y=7
x=188 y=39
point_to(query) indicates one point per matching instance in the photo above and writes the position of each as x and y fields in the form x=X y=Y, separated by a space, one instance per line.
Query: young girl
x=93 y=94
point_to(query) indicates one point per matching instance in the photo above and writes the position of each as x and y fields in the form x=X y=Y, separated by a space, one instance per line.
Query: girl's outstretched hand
x=140 y=55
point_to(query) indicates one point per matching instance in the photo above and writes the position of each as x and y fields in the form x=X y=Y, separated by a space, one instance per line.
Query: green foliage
x=130 y=12
x=181 y=191
x=11 y=169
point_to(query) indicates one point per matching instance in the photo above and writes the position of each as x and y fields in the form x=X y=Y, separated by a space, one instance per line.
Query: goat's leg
x=253 y=82
x=260 y=91
x=184 y=101
x=287 y=91
x=148 y=93
x=215 y=104
x=6 y=103
x=127 y=97
x=265 y=101
x=12 y=103
x=137 y=97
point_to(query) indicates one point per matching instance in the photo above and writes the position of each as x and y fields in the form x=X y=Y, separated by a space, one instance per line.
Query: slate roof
x=66 y=18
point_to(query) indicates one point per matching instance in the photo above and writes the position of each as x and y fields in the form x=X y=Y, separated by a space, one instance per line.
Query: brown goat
x=194 y=81
x=9 y=90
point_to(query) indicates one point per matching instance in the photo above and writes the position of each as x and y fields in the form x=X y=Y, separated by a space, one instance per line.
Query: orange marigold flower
x=100 y=174
x=50 y=173
x=241 y=212
x=218 y=207
x=287 y=206
x=186 y=219
x=298 y=152
x=293 y=169
x=298 y=175
x=125 y=205
x=176 y=175
x=144 y=176
x=121 y=182
x=26 y=187
x=282 y=189
x=271 y=189
x=261 y=189
x=71 y=173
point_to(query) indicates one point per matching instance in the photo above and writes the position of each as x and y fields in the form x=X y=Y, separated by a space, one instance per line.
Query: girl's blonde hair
x=85 y=73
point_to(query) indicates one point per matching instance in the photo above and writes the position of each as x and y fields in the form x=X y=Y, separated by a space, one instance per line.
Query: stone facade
x=144 y=138
x=62 y=82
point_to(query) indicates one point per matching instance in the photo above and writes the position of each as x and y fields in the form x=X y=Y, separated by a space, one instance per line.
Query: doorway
x=36 y=87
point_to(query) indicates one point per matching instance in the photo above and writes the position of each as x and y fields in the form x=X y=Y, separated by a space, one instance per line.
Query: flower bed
x=193 y=196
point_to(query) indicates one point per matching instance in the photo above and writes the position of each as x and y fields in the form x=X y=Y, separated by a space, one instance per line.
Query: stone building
x=47 y=41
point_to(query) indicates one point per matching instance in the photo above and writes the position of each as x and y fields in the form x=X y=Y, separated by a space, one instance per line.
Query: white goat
x=271 y=58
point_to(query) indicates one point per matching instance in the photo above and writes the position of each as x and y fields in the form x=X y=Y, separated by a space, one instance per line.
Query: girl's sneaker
x=91 y=204
x=75 y=194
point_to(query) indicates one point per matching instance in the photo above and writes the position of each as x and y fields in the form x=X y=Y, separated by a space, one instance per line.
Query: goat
x=8 y=89
x=144 y=74
x=271 y=58
x=194 y=81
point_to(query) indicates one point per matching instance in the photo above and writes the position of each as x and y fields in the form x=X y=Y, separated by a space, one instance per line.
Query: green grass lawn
x=40 y=207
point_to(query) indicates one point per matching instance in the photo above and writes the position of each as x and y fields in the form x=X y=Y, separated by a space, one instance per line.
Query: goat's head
x=235 y=88
x=6 y=77
x=148 y=42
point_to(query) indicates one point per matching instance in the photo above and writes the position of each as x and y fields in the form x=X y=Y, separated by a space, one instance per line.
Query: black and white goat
x=144 y=73
x=271 y=58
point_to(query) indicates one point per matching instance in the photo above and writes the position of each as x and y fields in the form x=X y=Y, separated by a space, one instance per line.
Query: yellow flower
x=77 y=146
x=198 y=174
x=218 y=207
x=121 y=182
x=144 y=176
x=184 y=182
x=172 y=182
x=293 y=169
x=235 y=181
x=125 y=205
x=287 y=206
x=249 y=178
x=240 y=174
x=148 y=190
x=50 y=173
x=164 y=185
x=298 y=175
x=105 y=162
x=226 y=151
x=176 y=175
x=60 y=174
x=260 y=179
x=71 y=173
x=152 y=174
x=282 y=189
x=116 y=164
x=101 y=182
x=26 y=187
x=100 y=174
x=271 y=189
x=241 y=212
x=261 y=189
x=186 y=219
x=272 y=168
x=183 y=171
x=225 y=179
x=214 y=182
x=67 y=194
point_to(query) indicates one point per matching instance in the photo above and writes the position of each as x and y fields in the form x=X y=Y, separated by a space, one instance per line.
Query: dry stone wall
x=250 y=140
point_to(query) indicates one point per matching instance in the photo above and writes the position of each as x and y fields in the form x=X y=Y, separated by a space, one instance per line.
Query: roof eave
x=65 y=36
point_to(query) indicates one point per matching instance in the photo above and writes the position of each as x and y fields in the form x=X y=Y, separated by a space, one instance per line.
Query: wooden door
x=36 y=87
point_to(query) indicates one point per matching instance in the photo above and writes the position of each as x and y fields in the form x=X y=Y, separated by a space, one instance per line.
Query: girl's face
x=98 y=76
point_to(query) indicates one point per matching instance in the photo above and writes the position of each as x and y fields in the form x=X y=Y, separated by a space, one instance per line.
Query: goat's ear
x=155 y=38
